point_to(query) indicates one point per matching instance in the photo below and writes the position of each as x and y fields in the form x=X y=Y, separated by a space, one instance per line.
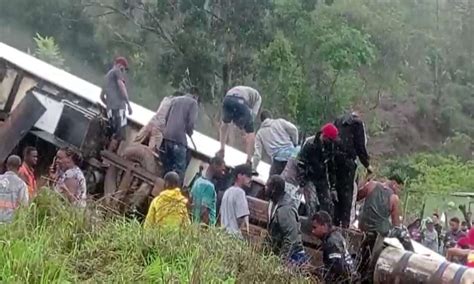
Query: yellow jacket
x=169 y=208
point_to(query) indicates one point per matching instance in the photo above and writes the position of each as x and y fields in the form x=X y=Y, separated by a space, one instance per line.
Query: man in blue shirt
x=203 y=193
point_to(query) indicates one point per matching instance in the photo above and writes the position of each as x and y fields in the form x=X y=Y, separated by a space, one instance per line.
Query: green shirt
x=203 y=193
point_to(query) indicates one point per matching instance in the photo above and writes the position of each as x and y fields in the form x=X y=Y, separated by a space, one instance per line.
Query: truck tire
x=142 y=155
x=110 y=184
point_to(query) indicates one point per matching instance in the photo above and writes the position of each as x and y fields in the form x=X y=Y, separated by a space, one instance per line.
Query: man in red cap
x=316 y=162
x=115 y=96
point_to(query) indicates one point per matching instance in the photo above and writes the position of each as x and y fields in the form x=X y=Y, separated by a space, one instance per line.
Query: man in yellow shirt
x=169 y=208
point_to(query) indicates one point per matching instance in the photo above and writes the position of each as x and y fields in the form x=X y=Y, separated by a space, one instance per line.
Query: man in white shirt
x=278 y=138
x=234 y=206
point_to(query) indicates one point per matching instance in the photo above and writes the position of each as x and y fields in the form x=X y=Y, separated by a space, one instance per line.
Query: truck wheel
x=142 y=155
x=110 y=184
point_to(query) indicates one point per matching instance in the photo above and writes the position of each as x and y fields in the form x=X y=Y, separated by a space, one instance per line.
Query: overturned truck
x=49 y=108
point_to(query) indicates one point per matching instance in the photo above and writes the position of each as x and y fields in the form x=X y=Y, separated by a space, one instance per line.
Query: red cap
x=330 y=131
x=121 y=60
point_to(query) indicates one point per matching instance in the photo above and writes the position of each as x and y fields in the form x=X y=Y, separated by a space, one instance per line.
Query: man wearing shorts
x=241 y=105
x=115 y=97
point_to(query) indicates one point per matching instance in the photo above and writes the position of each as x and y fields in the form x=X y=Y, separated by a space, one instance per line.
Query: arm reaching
x=256 y=106
x=223 y=134
x=257 y=155
x=360 y=142
x=191 y=118
x=292 y=131
x=395 y=210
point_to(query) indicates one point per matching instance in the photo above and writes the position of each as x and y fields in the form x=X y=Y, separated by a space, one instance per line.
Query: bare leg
x=223 y=135
x=156 y=137
x=249 y=145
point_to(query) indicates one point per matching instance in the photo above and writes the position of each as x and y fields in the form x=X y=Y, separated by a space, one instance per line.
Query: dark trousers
x=324 y=196
x=345 y=176
x=174 y=158
x=277 y=167
x=364 y=263
x=311 y=197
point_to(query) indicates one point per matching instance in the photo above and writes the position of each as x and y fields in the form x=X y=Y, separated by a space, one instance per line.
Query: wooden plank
x=124 y=164
x=258 y=209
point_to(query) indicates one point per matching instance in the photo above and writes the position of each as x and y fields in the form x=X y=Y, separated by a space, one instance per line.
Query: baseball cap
x=122 y=60
x=329 y=131
x=243 y=169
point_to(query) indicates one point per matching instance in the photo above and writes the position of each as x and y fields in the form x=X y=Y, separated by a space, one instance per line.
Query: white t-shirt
x=234 y=205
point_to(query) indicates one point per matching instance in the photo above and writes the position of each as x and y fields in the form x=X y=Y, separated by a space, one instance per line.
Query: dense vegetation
x=53 y=243
x=407 y=65
x=311 y=59
x=430 y=179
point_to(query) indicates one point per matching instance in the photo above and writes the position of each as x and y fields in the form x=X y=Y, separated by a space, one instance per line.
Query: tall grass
x=50 y=242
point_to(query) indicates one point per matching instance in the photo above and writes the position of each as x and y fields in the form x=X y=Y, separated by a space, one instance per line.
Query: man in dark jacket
x=338 y=263
x=353 y=144
x=316 y=161
x=180 y=121
x=284 y=226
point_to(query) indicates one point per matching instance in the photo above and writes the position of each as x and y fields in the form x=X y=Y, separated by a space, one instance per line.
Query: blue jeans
x=299 y=258
x=174 y=158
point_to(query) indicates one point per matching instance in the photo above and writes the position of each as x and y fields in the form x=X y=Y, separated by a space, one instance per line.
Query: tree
x=47 y=50
x=282 y=83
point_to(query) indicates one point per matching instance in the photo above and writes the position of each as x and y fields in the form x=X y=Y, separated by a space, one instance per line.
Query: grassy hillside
x=52 y=243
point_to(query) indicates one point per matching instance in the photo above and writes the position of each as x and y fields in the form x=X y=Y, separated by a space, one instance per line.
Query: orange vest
x=27 y=172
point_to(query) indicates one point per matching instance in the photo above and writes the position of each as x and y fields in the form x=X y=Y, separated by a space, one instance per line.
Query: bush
x=51 y=242
x=432 y=174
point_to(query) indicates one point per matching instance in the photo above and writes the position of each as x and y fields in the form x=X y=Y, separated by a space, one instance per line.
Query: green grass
x=52 y=243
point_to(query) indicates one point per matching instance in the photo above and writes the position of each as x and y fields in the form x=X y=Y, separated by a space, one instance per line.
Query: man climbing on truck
x=180 y=122
x=115 y=97
x=153 y=131
x=278 y=138
x=380 y=217
x=240 y=106
x=352 y=146
x=316 y=162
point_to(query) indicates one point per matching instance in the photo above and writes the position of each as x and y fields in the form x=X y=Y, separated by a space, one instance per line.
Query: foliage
x=310 y=59
x=460 y=145
x=51 y=242
x=281 y=80
x=432 y=174
x=47 y=50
